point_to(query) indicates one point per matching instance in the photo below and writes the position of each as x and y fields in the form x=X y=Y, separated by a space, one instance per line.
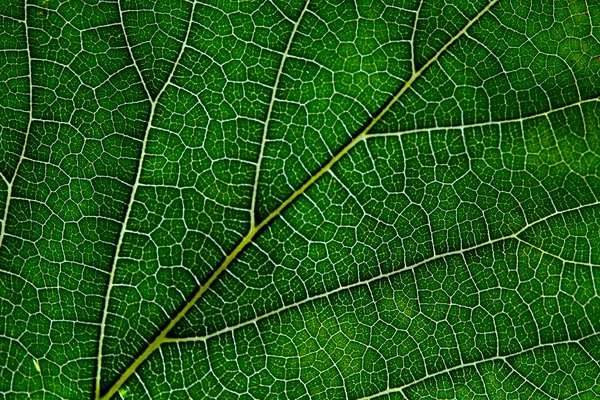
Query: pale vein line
x=558 y=257
x=381 y=276
x=276 y=5
x=526 y=381
x=6 y=181
x=420 y=72
x=269 y=112
x=136 y=185
x=36 y=360
x=10 y=185
x=412 y=39
x=162 y=336
x=487 y=123
x=503 y=358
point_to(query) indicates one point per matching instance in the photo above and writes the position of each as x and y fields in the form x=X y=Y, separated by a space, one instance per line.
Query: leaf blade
x=452 y=243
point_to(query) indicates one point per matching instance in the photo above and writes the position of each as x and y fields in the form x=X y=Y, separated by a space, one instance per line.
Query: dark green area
x=452 y=253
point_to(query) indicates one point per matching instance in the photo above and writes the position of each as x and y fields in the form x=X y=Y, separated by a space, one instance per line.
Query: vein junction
x=256 y=227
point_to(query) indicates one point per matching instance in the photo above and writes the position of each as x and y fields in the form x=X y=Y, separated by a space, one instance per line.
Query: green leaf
x=299 y=199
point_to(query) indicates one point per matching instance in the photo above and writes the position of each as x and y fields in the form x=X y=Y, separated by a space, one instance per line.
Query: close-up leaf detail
x=317 y=199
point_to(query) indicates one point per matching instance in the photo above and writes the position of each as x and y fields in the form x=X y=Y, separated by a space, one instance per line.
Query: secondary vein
x=255 y=229
x=153 y=103
x=10 y=184
x=269 y=113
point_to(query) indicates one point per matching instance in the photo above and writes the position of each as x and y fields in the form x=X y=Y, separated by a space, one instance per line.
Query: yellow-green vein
x=254 y=230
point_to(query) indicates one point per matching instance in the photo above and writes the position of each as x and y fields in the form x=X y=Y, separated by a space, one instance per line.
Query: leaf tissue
x=324 y=199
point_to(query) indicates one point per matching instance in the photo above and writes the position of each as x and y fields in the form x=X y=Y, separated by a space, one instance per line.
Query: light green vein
x=484 y=124
x=269 y=113
x=513 y=236
x=134 y=189
x=254 y=230
x=10 y=184
x=503 y=358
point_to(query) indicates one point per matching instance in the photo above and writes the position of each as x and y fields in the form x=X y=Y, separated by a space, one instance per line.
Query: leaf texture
x=300 y=199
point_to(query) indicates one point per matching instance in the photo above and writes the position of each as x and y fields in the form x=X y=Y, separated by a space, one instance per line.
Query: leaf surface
x=300 y=199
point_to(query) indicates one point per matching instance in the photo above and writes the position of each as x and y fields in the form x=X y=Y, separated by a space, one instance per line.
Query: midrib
x=255 y=229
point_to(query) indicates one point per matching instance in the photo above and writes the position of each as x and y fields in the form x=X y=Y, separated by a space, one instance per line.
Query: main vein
x=255 y=229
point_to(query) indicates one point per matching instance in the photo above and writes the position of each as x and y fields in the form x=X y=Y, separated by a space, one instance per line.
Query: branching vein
x=162 y=337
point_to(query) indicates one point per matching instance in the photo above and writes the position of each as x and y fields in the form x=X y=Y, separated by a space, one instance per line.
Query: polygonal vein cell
x=274 y=214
